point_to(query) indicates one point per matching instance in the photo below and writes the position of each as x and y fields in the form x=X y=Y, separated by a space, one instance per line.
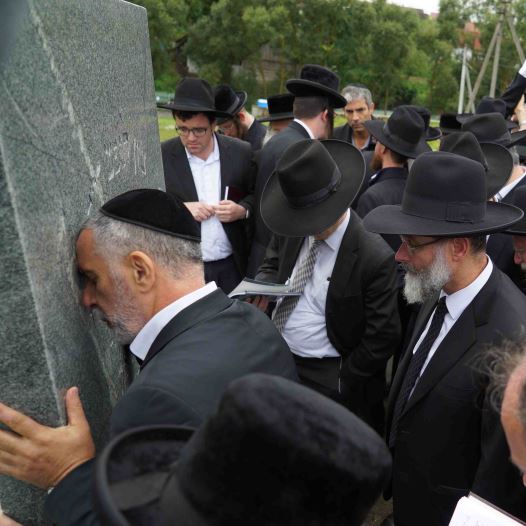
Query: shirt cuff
x=522 y=71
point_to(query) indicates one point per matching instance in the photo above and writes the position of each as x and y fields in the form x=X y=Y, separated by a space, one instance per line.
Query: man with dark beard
x=400 y=139
x=141 y=262
x=445 y=437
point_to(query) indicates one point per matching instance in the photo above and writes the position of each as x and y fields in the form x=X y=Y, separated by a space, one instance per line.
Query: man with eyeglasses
x=214 y=175
x=445 y=437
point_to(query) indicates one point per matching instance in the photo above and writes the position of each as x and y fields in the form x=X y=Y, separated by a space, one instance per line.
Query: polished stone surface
x=77 y=126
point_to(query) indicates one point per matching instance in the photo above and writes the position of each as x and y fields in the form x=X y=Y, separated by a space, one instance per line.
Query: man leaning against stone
x=141 y=262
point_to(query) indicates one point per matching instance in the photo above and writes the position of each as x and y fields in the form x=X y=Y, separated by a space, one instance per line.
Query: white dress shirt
x=522 y=71
x=505 y=190
x=207 y=179
x=309 y=131
x=144 y=340
x=456 y=303
x=305 y=331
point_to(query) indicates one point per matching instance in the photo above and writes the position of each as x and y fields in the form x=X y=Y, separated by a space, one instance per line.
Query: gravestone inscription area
x=78 y=125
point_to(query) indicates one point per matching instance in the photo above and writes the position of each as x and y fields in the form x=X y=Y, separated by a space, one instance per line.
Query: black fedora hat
x=445 y=196
x=194 y=95
x=275 y=453
x=492 y=127
x=489 y=105
x=496 y=159
x=317 y=81
x=449 y=123
x=228 y=101
x=280 y=107
x=431 y=134
x=519 y=200
x=154 y=210
x=314 y=182
x=404 y=132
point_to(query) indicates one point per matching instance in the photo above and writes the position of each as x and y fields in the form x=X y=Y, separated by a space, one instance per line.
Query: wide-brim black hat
x=431 y=133
x=497 y=160
x=228 y=101
x=314 y=182
x=445 y=196
x=489 y=105
x=195 y=95
x=270 y=447
x=519 y=200
x=280 y=107
x=449 y=123
x=317 y=81
x=403 y=133
x=492 y=127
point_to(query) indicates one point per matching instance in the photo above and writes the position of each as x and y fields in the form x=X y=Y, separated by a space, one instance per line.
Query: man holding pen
x=214 y=176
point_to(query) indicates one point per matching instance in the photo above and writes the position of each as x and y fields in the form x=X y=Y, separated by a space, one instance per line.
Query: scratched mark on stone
x=125 y=156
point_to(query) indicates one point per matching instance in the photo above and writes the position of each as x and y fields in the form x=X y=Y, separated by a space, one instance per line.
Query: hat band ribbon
x=454 y=211
x=193 y=103
x=398 y=140
x=304 y=201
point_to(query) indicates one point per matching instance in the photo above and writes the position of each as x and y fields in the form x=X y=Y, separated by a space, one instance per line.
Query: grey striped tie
x=288 y=304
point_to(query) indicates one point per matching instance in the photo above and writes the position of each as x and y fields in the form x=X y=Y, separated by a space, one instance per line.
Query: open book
x=475 y=511
x=252 y=287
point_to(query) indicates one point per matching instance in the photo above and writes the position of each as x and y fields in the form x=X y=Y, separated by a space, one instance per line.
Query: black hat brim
x=128 y=459
x=518 y=229
x=242 y=100
x=517 y=138
x=433 y=134
x=500 y=166
x=308 y=88
x=284 y=220
x=390 y=219
x=277 y=117
x=376 y=128
x=197 y=108
x=463 y=117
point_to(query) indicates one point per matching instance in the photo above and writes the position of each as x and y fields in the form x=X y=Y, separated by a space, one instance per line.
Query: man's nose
x=517 y=259
x=402 y=254
x=88 y=298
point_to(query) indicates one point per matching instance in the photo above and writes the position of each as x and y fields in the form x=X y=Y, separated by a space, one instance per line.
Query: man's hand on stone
x=43 y=455
x=200 y=211
x=228 y=211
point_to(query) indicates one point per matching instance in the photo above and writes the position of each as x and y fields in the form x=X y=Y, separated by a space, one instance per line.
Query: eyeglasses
x=226 y=127
x=184 y=131
x=413 y=247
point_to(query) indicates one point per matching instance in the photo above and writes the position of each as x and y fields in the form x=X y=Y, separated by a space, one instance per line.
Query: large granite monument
x=77 y=126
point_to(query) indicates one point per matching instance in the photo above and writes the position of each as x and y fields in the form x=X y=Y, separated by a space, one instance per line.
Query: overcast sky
x=429 y=6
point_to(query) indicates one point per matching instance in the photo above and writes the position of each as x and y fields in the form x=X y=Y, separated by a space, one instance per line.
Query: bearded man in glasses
x=445 y=436
x=214 y=175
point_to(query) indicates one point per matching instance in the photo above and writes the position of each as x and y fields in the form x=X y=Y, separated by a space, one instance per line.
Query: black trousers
x=320 y=374
x=224 y=272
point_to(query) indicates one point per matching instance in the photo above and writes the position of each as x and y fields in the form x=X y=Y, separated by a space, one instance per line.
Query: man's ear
x=371 y=107
x=459 y=248
x=142 y=270
x=242 y=116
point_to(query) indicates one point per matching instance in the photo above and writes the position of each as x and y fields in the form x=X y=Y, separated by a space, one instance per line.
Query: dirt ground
x=379 y=512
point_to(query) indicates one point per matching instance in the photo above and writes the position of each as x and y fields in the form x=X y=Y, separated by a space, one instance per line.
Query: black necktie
x=415 y=366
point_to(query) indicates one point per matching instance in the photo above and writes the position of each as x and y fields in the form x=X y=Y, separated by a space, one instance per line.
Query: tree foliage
x=402 y=56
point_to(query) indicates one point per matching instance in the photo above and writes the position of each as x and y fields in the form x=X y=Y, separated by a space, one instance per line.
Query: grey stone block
x=78 y=125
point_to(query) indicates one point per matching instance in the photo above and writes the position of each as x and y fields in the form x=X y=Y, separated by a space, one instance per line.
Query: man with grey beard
x=140 y=260
x=445 y=437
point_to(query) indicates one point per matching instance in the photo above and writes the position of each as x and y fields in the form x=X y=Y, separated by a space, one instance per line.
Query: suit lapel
x=225 y=161
x=201 y=310
x=184 y=173
x=291 y=252
x=345 y=260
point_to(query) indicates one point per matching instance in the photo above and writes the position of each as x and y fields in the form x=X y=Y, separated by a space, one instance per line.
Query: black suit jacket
x=450 y=440
x=386 y=189
x=513 y=93
x=193 y=359
x=255 y=135
x=500 y=246
x=361 y=311
x=267 y=159
x=237 y=171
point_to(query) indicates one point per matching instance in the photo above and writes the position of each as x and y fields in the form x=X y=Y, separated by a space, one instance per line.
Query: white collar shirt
x=144 y=340
x=503 y=192
x=307 y=129
x=305 y=331
x=456 y=303
x=207 y=180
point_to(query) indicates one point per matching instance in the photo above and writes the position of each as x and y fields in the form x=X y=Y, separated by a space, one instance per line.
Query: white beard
x=420 y=285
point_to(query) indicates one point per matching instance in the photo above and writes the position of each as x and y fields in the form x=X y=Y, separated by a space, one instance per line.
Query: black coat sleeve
x=268 y=271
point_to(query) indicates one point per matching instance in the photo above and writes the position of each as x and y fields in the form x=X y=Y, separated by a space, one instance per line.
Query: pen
x=226 y=193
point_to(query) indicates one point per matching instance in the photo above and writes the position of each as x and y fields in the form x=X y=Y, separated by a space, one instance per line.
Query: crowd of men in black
x=405 y=263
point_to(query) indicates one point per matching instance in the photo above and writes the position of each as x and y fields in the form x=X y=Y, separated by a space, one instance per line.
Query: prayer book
x=253 y=287
x=475 y=511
